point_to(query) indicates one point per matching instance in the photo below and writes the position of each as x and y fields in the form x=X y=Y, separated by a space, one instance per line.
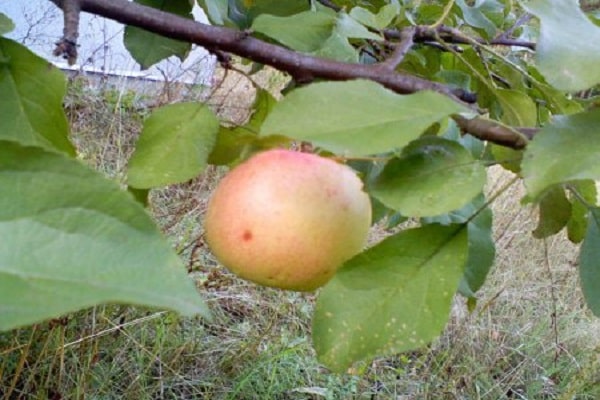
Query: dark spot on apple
x=247 y=236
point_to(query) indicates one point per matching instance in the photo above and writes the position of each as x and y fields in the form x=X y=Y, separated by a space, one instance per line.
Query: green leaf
x=321 y=33
x=519 y=109
x=6 y=24
x=303 y=32
x=568 y=49
x=229 y=145
x=393 y=297
x=72 y=239
x=148 y=48
x=568 y=149
x=348 y=27
x=31 y=110
x=338 y=48
x=232 y=142
x=589 y=263
x=586 y=195
x=356 y=117
x=477 y=17
x=482 y=250
x=552 y=99
x=555 y=212
x=243 y=12
x=217 y=11
x=140 y=195
x=378 y=21
x=432 y=176
x=174 y=145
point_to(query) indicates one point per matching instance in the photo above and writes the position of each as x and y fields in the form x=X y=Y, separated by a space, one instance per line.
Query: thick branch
x=216 y=38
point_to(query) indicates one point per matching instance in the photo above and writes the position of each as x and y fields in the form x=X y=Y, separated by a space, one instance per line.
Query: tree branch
x=492 y=131
x=426 y=34
x=403 y=47
x=216 y=38
x=223 y=40
x=67 y=46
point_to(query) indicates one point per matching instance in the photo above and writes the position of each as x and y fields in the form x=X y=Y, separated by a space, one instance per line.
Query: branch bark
x=305 y=68
x=403 y=47
x=426 y=34
x=67 y=45
x=216 y=38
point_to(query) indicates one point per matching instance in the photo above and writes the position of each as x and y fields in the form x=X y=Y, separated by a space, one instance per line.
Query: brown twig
x=426 y=34
x=492 y=131
x=66 y=47
x=403 y=47
x=229 y=40
x=508 y=33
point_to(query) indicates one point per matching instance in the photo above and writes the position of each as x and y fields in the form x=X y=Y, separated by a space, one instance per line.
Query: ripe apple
x=287 y=219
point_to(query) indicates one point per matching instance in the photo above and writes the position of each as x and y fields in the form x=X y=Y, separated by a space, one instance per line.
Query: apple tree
x=419 y=97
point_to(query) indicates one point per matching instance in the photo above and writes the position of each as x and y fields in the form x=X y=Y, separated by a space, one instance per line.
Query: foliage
x=446 y=66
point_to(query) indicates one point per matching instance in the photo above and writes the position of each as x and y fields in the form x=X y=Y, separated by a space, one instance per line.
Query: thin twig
x=403 y=47
x=509 y=32
x=425 y=34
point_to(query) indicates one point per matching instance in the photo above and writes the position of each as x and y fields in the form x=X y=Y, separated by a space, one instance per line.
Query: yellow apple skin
x=287 y=219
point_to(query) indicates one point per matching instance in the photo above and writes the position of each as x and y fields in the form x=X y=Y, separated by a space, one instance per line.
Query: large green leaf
x=356 y=117
x=589 y=263
x=482 y=250
x=72 y=239
x=555 y=212
x=394 y=297
x=568 y=149
x=174 y=145
x=432 y=176
x=32 y=92
x=148 y=48
x=518 y=108
x=6 y=24
x=568 y=49
x=318 y=32
x=232 y=142
x=586 y=194
x=306 y=31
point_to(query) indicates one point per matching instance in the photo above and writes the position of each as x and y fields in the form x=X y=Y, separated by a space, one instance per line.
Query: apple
x=287 y=219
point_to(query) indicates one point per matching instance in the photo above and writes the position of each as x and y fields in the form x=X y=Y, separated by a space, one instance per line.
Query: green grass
x=530 y=336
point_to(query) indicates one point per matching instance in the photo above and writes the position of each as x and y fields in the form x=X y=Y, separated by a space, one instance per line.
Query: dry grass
x=530 y=336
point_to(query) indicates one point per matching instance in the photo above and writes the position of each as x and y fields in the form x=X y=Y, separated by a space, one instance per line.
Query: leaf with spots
x=432 y=176
x=393 y=297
